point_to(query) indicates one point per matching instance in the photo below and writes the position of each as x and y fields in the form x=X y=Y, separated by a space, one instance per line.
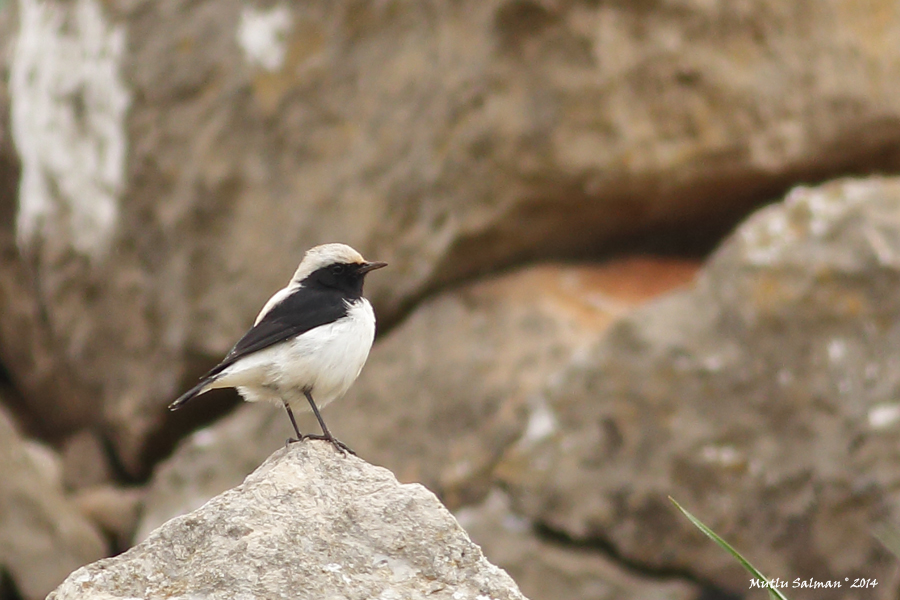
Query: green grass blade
x=773 y=592
x=889 y=537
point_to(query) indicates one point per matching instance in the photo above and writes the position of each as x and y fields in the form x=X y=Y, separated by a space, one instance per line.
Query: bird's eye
x=337 y=269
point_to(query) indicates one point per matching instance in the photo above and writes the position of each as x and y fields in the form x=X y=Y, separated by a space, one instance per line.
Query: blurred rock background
x=580 y=317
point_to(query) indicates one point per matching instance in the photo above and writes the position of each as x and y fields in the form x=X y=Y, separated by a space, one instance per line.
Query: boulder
x=309 y=523
x=763 y=398
x=458 y=382
x=210 y=461
x=113 y=509
x=176 y=162
x=553 y=569
x=85 y=461
x=43 y=536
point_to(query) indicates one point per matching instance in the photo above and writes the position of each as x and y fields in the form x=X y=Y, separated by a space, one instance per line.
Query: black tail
x=191 y=393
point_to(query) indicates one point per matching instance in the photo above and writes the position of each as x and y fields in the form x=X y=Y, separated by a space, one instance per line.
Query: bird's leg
x=290 y=413
x=326 y=435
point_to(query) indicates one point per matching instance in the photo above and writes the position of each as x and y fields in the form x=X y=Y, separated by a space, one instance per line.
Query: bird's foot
x=338 y=444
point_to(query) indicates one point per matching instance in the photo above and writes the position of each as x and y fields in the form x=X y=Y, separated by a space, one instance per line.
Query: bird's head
x=334 y=266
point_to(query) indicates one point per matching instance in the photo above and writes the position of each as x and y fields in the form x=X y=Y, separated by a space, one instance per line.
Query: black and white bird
x=311 y=339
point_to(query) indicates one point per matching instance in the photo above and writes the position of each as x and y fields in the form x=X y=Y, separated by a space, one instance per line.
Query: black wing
x=305 y=309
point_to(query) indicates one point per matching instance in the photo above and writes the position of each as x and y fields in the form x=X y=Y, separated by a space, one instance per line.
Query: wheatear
x=311 y=338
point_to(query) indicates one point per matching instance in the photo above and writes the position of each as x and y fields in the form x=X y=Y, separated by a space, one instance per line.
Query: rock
x=85 y=461
x=42 y=536
x=309 y=523
x=763 y=399
x=176 y=162
x=448 y=391
x=114 y=510
x=28 y=352
x=8 y=19
x=549 y=569
x=210 y=461
x=443 y=394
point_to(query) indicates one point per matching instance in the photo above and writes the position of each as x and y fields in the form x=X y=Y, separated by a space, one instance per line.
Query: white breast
x=327 y=360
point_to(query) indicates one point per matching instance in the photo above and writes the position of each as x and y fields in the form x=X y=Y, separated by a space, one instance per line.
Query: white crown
x=324 y=255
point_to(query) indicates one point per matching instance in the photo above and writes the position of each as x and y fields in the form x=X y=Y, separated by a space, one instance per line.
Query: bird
x=310 y=340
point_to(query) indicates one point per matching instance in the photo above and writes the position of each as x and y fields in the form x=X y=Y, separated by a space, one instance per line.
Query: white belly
x=325 y=360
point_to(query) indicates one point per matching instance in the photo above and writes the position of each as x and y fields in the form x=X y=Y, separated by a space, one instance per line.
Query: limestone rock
x=458 y=382
x=442 y=395
x=85 y=461
x=114 y=510
x=546 y=568
x=43 y=537
x=763 y=399
x=177 y=161
x=27 y=349
x=210 y=461
x=309 y=523
x=8 y=20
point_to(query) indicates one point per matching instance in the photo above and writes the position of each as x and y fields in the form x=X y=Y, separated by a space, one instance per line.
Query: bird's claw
x=338 y=444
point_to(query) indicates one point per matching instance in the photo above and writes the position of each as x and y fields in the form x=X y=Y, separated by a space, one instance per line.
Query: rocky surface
x=210 y=461
x=85 y=461
x=442 y=395
x=333 y=525
x=113 y=510
x=451 y=388
x=761 y=396
x=550 y=569
x=177 y=161
x=764 y=399
x=164 y=165
x=43 y=537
